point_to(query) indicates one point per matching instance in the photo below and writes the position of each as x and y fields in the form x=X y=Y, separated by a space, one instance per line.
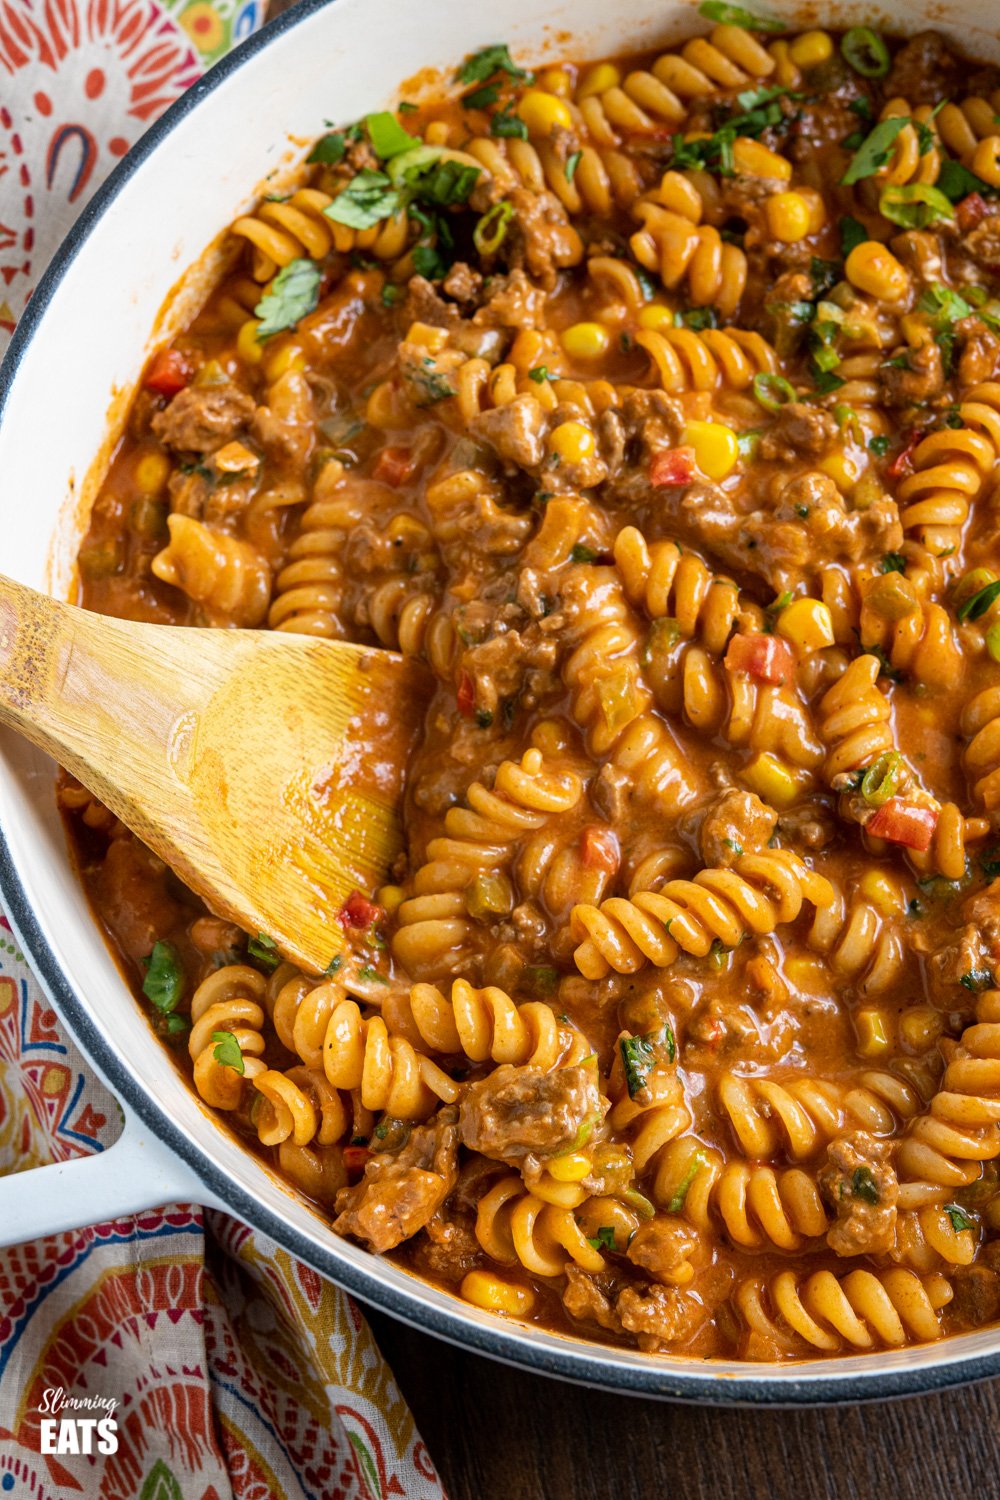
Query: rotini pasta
x=653 y=403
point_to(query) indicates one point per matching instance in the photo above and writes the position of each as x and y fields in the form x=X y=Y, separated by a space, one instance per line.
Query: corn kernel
x=282 y=360
x=598 y=79
x=586 y=340
x=755 y=160
x=808 y=624
x=810 y=49
x=788 y=217
x=543 y=113
x=875 y=270
x=555 y=81
x=656 y=316
x=483 y=1289
x=807 y=974
x=920 y=1027
x=390 y=897
x=986 y=160
x=151 y=473
x=248 y=346
x=570 y=1168
x=816 y=206
x=843 y=466
x=873 y=1032
x=883 y=892
x=716 y=447
x=573 y=442
x=771 y=779
x=427 y=336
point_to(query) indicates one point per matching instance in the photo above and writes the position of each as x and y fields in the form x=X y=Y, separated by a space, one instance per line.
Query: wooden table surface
x=499 y=1434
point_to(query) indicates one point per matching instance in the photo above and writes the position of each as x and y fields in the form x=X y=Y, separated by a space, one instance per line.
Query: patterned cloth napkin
x=228 y=1368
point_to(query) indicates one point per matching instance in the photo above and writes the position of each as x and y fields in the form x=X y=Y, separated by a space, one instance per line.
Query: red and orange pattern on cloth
x=233 y=1371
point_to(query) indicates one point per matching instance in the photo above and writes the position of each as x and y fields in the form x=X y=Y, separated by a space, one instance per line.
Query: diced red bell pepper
x=357 y=911
x=672 y=466
x=971 y=211
x=903 y=462
x=905 y=823
x=466 y=696
x=168 y=373
x=356 y=1159
x=599 y=849
x=394 y=466
x=766 y=657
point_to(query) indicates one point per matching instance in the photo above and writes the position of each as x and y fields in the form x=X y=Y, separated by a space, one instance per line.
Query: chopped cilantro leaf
x=262 y=951
x=572 y=162
x=864 y=1186
x=483 y=97
x=892 y=562
x=957 y=182
x=328 y=150
x=294 y=294
x=366 y=200
x=487 y=61
x=876 y=148
x=227 y=1051
x=163 y=985
x=604 y=1238
x=539 y=374
x=506 y=124
x=852 y=234
x=959 y=1221
x=582 y=554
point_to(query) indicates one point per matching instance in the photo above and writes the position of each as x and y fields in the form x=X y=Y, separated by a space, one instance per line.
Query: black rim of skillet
x=655 y=1377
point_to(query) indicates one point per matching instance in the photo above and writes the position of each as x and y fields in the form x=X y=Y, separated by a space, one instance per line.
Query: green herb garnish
x=366 y=200
x=263 y=951
x=387 y=136
x=163 y=985
x=328 y=150
x=875 y=149
x=487 y=61
x=737 y=15
x=294 y=294
x=852 y=234
x=866 y=52
x=864 y=1186
x=974 y=607
x=227 y=1052
x=676 y=1203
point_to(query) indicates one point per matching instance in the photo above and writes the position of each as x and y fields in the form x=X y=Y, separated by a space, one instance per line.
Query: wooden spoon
x=265 y=768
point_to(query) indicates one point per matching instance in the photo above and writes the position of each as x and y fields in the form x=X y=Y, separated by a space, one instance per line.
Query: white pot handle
x=136 y=1173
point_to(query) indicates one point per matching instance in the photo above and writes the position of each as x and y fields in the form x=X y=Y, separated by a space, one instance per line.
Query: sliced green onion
x=977 y=604
x=773 y=391
x=639 y=1202
x=848 y=420
x=491 y=230
x=915 y=205
x=882 y=778
x=616 y=695
x=736 y=15
x=489 y=895
x=866 y=52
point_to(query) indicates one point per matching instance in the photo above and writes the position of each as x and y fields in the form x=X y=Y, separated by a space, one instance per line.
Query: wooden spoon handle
x=94 y=693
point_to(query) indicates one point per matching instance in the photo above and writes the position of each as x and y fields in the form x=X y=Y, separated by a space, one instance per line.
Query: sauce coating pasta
x=654 y=405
